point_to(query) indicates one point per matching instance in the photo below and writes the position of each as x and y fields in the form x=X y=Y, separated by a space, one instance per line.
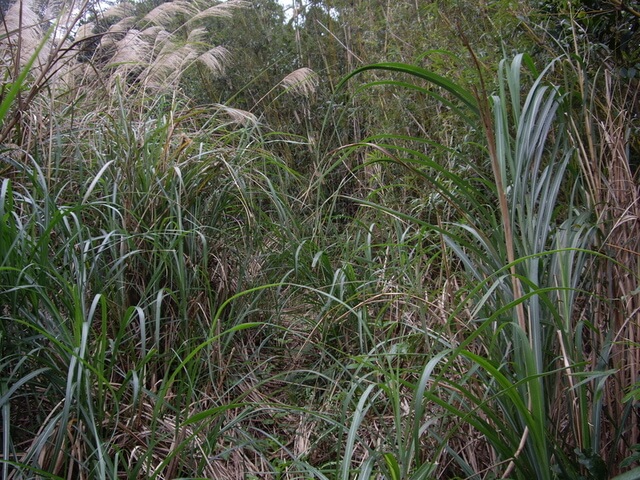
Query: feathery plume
x=197 y=35
x=302 y=81
x=122 y=26
x=133 y=50
x=238 y=116
x=159 y=40
x=169 y=65
x=165 y=13
x=222 y=10
x=122 y=10
x=215 y=59
x=85 y=31
x=152 y=32
x=116 y=32
x=52 y=9
x=161 y=49
x=20 y=20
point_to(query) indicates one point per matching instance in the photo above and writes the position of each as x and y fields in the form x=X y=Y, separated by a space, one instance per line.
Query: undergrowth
x=178 y=302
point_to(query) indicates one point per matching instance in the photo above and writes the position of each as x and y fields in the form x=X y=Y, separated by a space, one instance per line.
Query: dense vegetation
x=345 y=239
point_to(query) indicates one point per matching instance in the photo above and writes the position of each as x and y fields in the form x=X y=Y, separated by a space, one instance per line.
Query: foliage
x=610 y=25
x=221 y=256
x=527 y=258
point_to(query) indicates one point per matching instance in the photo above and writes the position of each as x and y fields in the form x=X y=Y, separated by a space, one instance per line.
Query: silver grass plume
x=157 y=36
x=85 y=31
x=238 y=116
x=197 y=36
x=222 y=10
x=52 y=9
x=168 y=66
x=122 y=10
x=132 y=54
x=116 y=32
x=147 y=51
x=302 y=81
x=20 y=33
x=166 y=13
x=215 y=59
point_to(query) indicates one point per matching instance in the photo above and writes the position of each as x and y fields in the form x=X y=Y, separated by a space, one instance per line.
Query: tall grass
x=122 y=348
x=125 y=229
x=531 y=374
x=602 y=137
x=117 y=257
x=177 y=303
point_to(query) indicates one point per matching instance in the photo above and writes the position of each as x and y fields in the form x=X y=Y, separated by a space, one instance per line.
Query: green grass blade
x=465 y=96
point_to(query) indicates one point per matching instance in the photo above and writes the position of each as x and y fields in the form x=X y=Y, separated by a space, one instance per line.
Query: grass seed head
x=166 y=13
x=215 y=59
x=122 y=10
x=20 y=28
x=222 y=10
x=302 y=81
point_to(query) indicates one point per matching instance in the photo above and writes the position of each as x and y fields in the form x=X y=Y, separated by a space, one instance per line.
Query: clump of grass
x=35 y=44
x=524 y=261
x=173 y=307
x=152 y=52
x=118 y=255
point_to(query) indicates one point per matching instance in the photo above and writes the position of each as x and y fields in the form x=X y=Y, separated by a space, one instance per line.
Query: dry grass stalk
x=620 y=203
x=615 y=196
x=140 y=442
